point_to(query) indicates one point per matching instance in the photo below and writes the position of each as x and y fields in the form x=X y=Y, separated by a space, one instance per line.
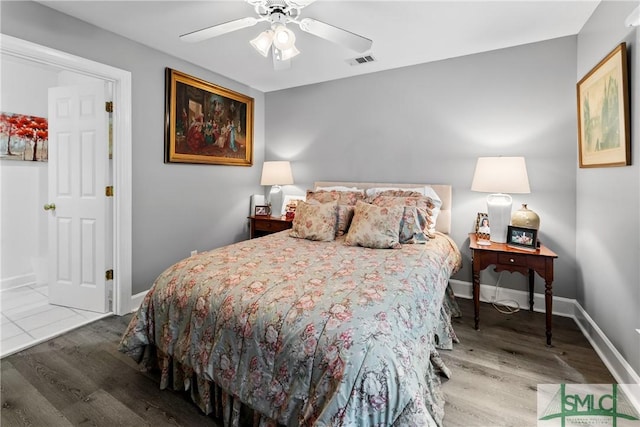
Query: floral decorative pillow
x=375 y=226
x=343 y=197
x=322 y=196
x=413 y=225
x=422 y=204
x=345 y=215
x=427 y=191
x=400 y=193
x=346 y=202
x=373 y=192
x=409 y=199
x=315 y=221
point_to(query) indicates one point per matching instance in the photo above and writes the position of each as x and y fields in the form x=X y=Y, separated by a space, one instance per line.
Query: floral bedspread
x=305 y=332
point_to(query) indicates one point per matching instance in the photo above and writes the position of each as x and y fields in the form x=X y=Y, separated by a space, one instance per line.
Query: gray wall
x=429 y=123
x=608 y=200
x=176 y=207
x=426 y=123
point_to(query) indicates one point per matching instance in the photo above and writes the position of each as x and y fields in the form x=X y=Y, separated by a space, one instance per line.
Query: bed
x=291 y=331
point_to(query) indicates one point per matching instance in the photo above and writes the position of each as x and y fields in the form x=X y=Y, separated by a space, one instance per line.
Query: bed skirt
x=224 y=407
x=208 y=396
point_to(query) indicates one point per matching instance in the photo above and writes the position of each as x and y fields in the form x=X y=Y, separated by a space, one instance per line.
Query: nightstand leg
x=531 y=281
x=476 y=297
x=548 y=303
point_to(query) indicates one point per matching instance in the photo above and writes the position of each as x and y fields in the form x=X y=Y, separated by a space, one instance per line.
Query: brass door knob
x=50 y=207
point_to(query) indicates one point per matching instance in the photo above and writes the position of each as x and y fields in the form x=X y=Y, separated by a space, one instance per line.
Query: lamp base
x=499 y=209
x=275 y=200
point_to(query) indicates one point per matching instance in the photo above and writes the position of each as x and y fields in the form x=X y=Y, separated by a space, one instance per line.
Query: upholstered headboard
x=443 y=223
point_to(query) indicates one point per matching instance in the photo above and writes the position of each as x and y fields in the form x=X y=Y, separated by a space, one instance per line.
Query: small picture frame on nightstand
x=262 y=210
x=483 y=232
x=522 y=238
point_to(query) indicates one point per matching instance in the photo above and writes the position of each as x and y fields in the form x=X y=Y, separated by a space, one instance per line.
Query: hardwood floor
x=496 y=370
x=81 y=379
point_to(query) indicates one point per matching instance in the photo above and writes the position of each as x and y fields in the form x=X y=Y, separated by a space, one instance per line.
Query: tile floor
x=27 y=318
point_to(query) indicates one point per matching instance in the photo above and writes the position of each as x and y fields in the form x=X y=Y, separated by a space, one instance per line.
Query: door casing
x=122 y=153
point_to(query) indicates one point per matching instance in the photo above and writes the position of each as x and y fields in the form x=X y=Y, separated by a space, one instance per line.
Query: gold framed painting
x=603 y=113
x=206 y=123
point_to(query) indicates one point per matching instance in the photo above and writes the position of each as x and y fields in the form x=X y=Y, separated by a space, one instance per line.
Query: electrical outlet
x=194 y=252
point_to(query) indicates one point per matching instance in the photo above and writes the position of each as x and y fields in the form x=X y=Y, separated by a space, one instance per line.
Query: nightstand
x=263 y=225
x=506 y=258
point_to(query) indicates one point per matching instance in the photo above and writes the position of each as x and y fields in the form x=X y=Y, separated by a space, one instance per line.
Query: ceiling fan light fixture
x=286 y=54
x=283 y=38
x=279 y=13
x=263 y=42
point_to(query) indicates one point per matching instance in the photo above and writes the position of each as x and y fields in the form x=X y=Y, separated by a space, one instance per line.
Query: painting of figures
x=206 y=123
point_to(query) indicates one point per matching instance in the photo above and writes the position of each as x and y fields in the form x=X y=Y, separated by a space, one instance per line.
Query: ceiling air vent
x=361 y=60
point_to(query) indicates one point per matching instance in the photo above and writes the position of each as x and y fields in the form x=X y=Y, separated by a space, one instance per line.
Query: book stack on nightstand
x=263 y=225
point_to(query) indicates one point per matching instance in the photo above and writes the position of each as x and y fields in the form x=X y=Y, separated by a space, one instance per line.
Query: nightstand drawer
x=269 y=225
x=523 y=260
x=263 y=225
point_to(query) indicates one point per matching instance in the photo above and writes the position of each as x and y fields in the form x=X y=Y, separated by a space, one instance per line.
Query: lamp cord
x=502 y=306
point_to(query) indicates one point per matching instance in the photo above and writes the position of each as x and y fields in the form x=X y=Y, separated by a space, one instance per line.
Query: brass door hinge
x=108 y=191
x=108 y=275
x=108 y=106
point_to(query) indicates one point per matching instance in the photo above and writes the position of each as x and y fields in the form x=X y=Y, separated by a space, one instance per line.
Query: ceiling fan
x=279 y=13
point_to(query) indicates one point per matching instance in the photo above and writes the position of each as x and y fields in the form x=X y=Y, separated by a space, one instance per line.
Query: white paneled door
x=77 y=205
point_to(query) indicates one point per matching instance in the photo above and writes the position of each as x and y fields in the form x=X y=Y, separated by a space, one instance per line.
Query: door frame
x=122 y=152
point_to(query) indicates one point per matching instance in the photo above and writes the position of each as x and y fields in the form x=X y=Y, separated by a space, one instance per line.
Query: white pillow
x=430 y=192
x=337 y=188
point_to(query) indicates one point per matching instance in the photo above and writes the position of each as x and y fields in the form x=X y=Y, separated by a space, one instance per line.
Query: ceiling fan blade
x=336 y=35
x=300 y=3
x=218 y=30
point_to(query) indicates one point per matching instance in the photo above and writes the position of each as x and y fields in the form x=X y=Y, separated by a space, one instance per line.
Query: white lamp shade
x=276 y=173
x=501 y=175
x=262 y=43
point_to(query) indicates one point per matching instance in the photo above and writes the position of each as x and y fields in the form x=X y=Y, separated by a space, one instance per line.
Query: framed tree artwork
x=603 y=113
x=206 y=123
x=24 y=137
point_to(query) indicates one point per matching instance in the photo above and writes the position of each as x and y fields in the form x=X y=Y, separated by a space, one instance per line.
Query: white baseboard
x=17 y=281
x=561 y=306
x=136 y=300
x=610 y=356
x=613 y=360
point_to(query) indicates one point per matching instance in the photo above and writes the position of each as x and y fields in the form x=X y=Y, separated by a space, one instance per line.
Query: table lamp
x=276 y=174
x=499 y=176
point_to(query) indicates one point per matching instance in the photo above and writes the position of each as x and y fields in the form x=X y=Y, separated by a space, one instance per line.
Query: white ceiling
x=403 y=32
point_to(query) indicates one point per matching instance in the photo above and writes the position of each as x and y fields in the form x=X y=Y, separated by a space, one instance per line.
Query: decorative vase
x=525 y=217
